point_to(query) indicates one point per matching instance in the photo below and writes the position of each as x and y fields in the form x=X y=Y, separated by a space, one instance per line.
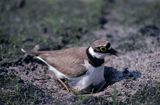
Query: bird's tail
x=33 y=51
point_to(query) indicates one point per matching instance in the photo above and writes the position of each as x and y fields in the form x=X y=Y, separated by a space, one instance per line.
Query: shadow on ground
x=113 y=76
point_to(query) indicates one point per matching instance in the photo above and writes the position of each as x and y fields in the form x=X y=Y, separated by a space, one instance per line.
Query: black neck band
x=93 y=60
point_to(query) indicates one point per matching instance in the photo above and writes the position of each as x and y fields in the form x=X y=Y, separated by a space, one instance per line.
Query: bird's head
x=101 y=48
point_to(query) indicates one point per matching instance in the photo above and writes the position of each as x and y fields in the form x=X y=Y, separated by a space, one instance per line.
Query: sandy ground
x=127 y=74
x=133 y=78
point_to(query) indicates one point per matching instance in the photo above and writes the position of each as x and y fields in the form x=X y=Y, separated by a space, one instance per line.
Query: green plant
x=17 y=90
x=114 y=96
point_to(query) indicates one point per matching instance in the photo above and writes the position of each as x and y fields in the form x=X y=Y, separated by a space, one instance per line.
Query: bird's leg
x=64 y=84
x=61 y=82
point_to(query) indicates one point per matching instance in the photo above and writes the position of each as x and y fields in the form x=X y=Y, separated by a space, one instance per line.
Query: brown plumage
x=71 y=61
x=99 y=43
x=68 y=61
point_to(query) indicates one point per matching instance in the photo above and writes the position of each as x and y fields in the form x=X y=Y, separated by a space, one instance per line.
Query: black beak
x=113 y=52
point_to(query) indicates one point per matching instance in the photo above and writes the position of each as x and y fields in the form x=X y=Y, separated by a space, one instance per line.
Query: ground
x=133 y=28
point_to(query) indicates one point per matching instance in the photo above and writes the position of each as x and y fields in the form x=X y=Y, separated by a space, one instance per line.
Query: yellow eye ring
x=103 y=49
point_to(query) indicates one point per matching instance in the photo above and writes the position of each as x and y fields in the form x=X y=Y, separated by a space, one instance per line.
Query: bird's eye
x=103 y=49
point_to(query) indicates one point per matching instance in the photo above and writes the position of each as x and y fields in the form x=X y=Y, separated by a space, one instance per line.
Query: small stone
x=21 y=81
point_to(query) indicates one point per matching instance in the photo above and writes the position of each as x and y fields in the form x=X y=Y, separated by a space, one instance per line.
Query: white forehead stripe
x=96 y=54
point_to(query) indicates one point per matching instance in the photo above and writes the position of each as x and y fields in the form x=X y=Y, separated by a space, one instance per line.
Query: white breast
x=97 y=75
x=94 y=76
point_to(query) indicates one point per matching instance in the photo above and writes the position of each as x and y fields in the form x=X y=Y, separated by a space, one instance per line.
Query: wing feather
x=68 y=61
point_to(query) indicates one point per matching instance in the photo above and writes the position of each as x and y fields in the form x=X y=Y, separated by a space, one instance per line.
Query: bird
x=80 y=66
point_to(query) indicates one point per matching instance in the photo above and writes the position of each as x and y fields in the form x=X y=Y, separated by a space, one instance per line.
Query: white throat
x=96 y=54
